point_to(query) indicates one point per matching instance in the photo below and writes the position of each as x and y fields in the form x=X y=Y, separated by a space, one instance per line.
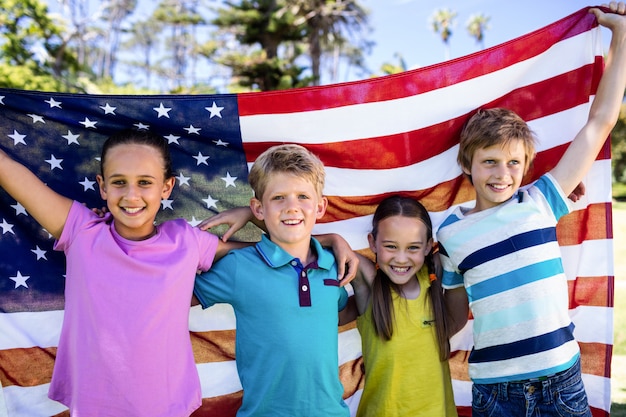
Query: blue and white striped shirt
x=509 y=261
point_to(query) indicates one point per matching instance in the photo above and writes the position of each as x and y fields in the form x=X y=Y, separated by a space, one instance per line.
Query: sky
x=402 y=27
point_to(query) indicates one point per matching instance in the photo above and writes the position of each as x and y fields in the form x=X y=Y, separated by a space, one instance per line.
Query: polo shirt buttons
x=294 y=263
x=305 y=288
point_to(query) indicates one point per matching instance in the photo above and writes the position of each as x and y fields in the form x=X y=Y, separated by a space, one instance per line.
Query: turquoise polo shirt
x=287 y=336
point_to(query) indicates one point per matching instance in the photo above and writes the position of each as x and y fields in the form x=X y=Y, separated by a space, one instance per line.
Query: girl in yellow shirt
x=402 y=318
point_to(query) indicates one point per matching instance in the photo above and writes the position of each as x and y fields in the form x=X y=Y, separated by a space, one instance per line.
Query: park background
x=94 y=47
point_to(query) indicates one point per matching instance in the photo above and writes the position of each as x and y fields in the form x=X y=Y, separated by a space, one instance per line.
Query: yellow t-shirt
x=404 y=376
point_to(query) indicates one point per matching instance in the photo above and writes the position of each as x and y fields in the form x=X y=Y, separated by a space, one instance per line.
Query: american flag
x=386 y=135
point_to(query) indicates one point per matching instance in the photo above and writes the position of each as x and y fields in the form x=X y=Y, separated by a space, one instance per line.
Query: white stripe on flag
x=31 y=401
x=343 y=123
x=28 y=329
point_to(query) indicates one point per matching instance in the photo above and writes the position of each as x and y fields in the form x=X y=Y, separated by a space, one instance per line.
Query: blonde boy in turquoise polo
x=285 y=294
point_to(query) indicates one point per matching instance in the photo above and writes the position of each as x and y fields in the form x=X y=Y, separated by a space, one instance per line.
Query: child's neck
x=411 y=290
x=300 y=250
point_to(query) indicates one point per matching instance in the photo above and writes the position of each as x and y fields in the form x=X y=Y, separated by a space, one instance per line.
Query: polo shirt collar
x=275 y=256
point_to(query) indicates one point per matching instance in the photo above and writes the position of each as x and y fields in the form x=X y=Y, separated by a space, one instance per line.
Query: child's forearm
x=457 y=309
x=347 y=261
x=47 y=207
x=610 y=93
x=582 y=151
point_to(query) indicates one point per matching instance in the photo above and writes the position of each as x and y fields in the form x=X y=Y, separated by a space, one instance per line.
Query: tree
x=476 y=27
x=182 y=18
x=142 y=39
x=113 y=13
x=33 y=53
x=388 y=68
x=259 y=32
x=327 y=23
x=442 y=21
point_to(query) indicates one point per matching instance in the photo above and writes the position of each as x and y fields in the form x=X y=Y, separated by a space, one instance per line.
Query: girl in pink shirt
x=124 y=348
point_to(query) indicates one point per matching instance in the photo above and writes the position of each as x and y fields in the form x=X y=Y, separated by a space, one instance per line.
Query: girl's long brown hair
x=383 y=288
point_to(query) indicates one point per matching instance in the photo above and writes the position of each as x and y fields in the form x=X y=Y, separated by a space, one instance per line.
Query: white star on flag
x=172 y=139
x=182 y=180
x=230 y=181
x=167 y=204
x=87 y=184
x=19 y=209
x=36 y=118
x=71 y=138
x=6 y=227
x=53 y=103
x=201 y=159
x=20 y=280
x=210 y=202
x=108 y=109
x=193 y=130
x=215 y=110
x=194 y=222
x=162 y=111
x=88 y=123
x=54 y=162
x=17 y=138
x=41 y=254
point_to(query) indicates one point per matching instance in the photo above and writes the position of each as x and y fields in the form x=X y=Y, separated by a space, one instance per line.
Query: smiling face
x=133 y=185
x=401 y=246
x=497 y=172
x=289 y=207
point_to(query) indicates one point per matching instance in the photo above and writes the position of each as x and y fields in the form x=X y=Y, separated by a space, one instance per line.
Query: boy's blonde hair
x=490 y=127
x=286 y=158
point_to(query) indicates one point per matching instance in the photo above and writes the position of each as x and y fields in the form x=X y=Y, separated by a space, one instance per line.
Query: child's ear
x=372 y=242
x=101 y=186
x=168 y=186
x=322 y=204
x=257 y=208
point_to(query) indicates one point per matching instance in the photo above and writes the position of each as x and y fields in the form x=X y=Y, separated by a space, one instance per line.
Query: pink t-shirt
x=125 y=348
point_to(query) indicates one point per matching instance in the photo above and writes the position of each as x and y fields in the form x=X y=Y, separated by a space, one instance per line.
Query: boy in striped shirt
x=502 y=259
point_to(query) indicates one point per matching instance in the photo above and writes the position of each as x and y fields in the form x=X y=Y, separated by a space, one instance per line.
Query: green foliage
x=256 y=44
x=262 y=30
x=23 y=77
x=619 y=192
x=33 y=53
x=618 y=148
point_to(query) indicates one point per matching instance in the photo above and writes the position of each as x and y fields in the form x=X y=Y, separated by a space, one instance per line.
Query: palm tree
x=476 y=27
x=327 y=22
x=442 y=21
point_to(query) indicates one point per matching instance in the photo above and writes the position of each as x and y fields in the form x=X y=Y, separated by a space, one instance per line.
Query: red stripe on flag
x=556 y=94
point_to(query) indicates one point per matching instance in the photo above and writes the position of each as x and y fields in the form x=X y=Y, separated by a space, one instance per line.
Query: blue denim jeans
x=560 y=395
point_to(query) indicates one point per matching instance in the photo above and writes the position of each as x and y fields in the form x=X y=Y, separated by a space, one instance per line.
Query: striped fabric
x=394 y=134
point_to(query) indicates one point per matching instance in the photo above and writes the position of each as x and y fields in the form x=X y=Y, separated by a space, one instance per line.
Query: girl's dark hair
x=383 y=287
x=139 y=137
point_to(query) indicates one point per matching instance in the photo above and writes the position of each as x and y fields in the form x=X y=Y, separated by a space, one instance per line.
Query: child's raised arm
x=604 y=112
x=49 y=208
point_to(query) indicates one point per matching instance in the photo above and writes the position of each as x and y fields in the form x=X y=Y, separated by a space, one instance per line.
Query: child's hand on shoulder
x=235 y=218
x=100 y=212
x=578 y=192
